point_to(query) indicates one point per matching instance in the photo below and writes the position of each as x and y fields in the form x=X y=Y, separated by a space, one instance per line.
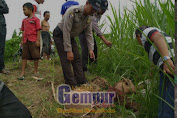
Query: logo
x=32 y=22
x=66 y=96
x=103 y=101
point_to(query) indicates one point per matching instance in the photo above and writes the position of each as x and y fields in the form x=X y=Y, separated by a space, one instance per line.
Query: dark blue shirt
x=66 y=5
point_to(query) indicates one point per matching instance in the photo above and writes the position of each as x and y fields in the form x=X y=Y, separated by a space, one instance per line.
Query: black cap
x=104 y=5
x=96 y=4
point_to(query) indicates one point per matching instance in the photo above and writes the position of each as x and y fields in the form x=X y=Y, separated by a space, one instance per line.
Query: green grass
x=127 y=58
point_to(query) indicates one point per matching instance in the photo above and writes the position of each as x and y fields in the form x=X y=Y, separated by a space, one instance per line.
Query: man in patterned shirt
x=160 y=49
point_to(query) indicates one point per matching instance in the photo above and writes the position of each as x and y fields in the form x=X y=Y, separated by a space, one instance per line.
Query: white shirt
x=38 y=9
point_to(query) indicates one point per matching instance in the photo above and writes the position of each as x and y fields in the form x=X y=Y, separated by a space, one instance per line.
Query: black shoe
x=83 y=82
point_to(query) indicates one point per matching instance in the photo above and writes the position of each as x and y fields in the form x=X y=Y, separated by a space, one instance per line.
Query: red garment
x=30 y=26
x=35 y=9
x=153 y=34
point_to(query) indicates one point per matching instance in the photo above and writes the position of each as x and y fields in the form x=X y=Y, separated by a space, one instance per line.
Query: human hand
x=108 y=43
x=168 y=67
x=92 y=55
x=38 y=43
x=70 y=56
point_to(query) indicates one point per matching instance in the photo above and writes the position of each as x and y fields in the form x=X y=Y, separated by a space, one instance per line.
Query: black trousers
x=11 y=107
x=2 y=45
x=46 y=42
x=75 y=77
x=85 y=52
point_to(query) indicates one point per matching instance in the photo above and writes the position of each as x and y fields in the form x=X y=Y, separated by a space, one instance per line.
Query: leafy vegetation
x=12 y=46
x=126 y=58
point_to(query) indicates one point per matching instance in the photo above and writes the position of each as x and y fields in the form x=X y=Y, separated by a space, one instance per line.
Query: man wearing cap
x=68 y=4
x=95 y=19
x=76 y=20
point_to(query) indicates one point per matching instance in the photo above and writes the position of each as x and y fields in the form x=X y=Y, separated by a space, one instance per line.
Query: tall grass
x=127 y=58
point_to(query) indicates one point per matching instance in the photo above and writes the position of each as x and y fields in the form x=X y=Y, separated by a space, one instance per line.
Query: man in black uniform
x=3 y=10
x=10 y=106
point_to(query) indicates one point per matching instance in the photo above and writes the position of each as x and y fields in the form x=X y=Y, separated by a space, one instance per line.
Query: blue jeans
x=166 y=91
x=2 y=45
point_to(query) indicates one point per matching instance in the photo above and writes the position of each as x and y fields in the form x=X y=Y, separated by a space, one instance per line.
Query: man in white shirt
x=37 y=13
x=37 y=9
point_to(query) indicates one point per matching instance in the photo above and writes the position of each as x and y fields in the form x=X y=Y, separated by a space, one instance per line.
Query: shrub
x=12 y=46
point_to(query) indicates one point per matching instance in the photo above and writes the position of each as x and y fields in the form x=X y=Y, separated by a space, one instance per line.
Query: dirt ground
x=36 y=95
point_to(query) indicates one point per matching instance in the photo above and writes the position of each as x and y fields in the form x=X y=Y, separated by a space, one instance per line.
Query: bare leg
x=48 y=57
x=36 y=66
x=24 y=62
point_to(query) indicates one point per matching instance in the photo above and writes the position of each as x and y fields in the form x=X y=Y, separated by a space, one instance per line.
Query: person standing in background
x=10 y=106
x=68 y=4
x=30 y=40
x=83 y=42
x=37 y=9
x=37 y=13
x=46 y=50
x=3 y=10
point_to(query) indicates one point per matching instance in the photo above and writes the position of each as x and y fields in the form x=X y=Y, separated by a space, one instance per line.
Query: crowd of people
x=78 y=21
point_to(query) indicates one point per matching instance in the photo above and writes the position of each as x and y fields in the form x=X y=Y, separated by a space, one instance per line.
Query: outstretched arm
x=99 y=32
